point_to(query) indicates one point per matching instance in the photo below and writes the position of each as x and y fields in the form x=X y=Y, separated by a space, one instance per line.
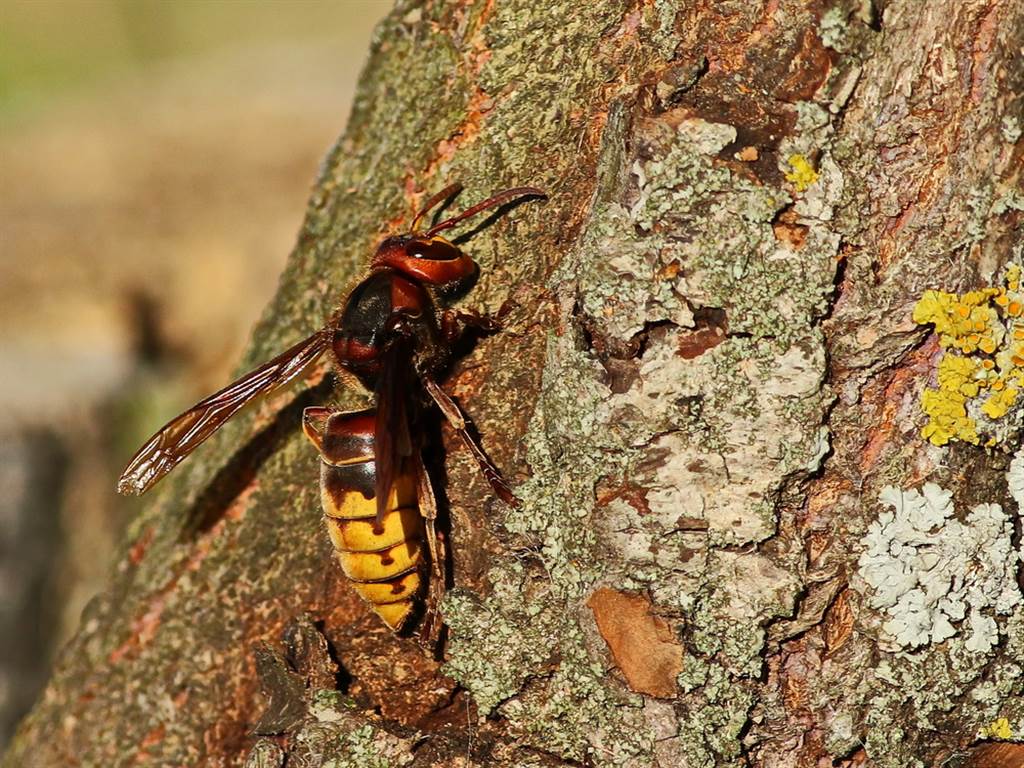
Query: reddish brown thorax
x=394 y=300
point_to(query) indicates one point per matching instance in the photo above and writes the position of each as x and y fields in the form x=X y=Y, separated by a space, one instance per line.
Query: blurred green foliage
x=48 y=47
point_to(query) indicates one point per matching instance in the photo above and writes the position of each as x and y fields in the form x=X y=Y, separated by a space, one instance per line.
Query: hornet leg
x=454 y=416
x=454 y=323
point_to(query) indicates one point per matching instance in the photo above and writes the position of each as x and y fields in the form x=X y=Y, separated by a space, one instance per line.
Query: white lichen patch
x=935 y=577
x=1015 y=479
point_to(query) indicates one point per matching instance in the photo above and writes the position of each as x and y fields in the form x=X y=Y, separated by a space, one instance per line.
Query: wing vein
x=186 y=432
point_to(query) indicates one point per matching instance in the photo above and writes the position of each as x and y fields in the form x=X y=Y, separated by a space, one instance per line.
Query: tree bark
x=708 y=376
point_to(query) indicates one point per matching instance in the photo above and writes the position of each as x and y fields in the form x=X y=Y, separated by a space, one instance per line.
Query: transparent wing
x=184 y=433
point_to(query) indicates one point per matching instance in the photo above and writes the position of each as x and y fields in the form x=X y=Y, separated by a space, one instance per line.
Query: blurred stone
x=33 y=471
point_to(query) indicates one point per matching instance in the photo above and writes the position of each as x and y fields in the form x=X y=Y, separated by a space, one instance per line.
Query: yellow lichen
x=803 y=173
x=1013 y=277
x=936 y=307
x=967 y=322
x=997 y=729
x=957 y=374
x=999 y=402
x=981 y=373
x=947 y=418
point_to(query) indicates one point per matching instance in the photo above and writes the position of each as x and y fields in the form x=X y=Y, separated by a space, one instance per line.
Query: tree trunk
x=707 y=393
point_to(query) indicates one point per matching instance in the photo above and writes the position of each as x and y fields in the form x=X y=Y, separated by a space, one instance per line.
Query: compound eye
x=418 y=249
x=435 y=249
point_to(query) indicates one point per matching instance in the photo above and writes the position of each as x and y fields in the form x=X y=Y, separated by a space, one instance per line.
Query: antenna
x=491 y=202
x=450 y=191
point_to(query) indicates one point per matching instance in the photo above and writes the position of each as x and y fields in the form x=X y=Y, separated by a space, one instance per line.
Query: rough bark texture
x=709 y=374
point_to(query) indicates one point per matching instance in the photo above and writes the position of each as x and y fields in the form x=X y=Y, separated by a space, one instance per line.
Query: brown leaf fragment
x=643 y=645
x=997 y=756
x=696 y=343
x=711 y=329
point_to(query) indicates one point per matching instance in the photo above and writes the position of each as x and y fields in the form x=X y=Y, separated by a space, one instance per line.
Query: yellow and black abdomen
x=382 y=560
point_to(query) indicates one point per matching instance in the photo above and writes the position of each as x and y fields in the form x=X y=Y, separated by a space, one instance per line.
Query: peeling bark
x=708 y=375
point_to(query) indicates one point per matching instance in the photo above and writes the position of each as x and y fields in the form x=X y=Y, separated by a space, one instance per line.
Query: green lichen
x=265 y=754
x=671 y=233
x=736 y=602
x=1010 y=200
x=887 y=739
x=329 y=705
x=980 y=201
x=660 y=19
x=569 y=708
x=729 y=251
x=833 y=28
x=711 y=727
x=528 y=630
x=577 y=713
x=365 y=747
x=334 y=737
x=1010 y=129
x=493 y=652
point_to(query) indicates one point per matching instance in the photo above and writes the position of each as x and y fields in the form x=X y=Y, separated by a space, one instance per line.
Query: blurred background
x=155 y=160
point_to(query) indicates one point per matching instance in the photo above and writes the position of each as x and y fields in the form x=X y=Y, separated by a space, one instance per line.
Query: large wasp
x=393 y=334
